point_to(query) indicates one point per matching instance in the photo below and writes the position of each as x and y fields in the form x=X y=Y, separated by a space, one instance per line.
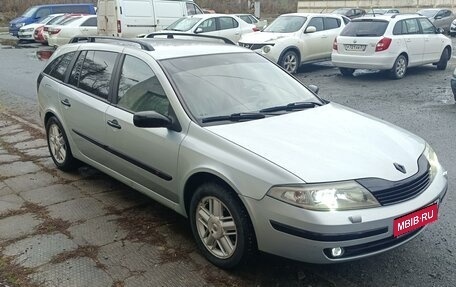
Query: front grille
x=391 y=192
x=253 y=46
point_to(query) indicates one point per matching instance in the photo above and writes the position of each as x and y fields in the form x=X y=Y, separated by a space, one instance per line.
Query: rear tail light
x=335 y=44
x=119 y=26
x=383 y=44
x=54 y=31
x=255 y=29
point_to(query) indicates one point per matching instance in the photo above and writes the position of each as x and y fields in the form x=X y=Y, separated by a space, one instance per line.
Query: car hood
x=263 y=37
x=329 y=143
x=19 y=20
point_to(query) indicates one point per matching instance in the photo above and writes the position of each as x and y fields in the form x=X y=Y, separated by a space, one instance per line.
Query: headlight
x=431 y=156
x=326 y=197
x=266 y=49
x=18 y=25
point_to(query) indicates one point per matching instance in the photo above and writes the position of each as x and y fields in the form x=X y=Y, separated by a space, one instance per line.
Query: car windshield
x=233 y=84
x=183 y=24
x=286 y=24
x=47 y=19
x=29 y=12
x=365 y=28
x=428 y=13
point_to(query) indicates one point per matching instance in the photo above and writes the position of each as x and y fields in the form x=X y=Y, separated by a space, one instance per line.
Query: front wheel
x=442 y=63
x=290 y=62
x=399 y=68
x=221 y=226
x=59 y=147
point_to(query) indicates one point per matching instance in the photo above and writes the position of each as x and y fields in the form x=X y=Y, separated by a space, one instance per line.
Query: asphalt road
x=422 y=103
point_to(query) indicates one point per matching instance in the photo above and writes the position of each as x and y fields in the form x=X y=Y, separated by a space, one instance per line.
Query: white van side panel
x=137 y=17
x=167 y=12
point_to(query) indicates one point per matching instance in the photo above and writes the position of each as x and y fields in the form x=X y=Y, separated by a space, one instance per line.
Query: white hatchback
x=296 y=39
x=77 y=26
x=391 y=43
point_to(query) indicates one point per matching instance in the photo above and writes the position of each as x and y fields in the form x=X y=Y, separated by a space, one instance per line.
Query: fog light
x=337 y=251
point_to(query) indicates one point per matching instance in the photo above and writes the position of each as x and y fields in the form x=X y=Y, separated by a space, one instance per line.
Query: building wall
x=402 y=5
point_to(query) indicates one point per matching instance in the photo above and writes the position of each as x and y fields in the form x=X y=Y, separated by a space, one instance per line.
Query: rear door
x=229 y=28
x=89 y=27
x=410 y=31
x=85 y=100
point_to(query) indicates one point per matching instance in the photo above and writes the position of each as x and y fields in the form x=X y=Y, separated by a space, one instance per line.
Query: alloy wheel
x=57 y=144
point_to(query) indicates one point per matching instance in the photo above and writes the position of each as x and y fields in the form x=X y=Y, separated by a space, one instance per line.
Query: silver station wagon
x=255 y=159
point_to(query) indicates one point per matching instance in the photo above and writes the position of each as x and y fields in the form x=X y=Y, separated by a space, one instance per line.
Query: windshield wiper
x=237 y=117
x=291 y=107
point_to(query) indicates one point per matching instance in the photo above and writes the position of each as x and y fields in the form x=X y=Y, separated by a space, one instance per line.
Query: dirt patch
x=50 y=225
x=89 y=251
x=118 y=284
x=15 y=275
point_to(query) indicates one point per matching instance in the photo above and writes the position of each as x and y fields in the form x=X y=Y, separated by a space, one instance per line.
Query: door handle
x=66 y=103
x=114 y=124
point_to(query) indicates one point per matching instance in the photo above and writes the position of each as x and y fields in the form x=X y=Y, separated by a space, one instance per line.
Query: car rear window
x=365 y=28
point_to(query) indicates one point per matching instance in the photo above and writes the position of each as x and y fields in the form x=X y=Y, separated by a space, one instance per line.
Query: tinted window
x=59 y=69
x=43 y=12
x=51 y=66
x=139 y=88
x=208 y=25
x=365 y=28
x=317 y=22
x=332 y=23
x=227 y=23
x=447 y=13
x=96 y=72
x=84 y=9
x=91 y=22
x=74 y=76
x=427 y=26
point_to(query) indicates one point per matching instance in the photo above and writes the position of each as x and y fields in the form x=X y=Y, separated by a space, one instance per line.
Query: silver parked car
x=441 y=18
x=253 y=157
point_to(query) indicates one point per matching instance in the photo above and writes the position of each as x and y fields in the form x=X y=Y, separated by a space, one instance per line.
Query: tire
x=290 y=62
x=347 y=72
x=225 y=247
x=58 y=145
x=399 y=68
x=442 y=63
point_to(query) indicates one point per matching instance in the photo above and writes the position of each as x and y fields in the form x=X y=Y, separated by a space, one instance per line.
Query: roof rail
x=170 y=35
x=144 y=45
x=394 y=15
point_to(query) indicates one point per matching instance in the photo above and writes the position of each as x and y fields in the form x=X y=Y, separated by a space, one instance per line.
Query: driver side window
x=317 y=22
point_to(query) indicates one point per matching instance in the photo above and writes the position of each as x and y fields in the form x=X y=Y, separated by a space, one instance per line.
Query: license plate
x=350 y=47
x=415 y=220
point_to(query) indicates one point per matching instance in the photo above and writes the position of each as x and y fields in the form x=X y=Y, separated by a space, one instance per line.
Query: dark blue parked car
x=36 y=13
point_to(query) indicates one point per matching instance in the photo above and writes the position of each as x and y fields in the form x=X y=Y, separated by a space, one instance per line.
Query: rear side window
x=365 y=28
x=409 y=26
x=246 y=18
x=227 y=23
x=58 y=67
x=96 y=72
x=91 y=22
x=74 y=76
x=331 y=23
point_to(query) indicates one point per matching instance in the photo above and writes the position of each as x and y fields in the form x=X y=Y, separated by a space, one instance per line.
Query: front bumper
x=376 y=62
x=306 y=235
x=25 y=35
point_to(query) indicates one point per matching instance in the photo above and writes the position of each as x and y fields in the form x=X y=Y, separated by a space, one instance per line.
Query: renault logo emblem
x=400 y=167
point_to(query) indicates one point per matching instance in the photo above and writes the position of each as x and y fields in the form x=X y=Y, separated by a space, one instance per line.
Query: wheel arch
x=450 y=51
x=291 y=48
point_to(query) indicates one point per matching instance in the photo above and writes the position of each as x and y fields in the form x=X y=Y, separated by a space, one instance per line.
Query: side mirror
x=151 y=119
x=311 y=29
x=315 y=89
x=199 y=30
x=440 y=30
x=438 y=17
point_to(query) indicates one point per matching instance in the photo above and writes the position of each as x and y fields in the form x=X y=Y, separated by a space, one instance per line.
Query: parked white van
x=129 y=18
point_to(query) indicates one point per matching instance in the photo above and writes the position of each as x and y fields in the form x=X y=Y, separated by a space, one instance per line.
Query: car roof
x=389 y=17
x=205 y=16
x=164 y=48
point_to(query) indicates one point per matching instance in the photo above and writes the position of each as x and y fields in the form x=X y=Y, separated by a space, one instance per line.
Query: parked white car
x=26 y=32
x=296 y=39
x=58 y=21
x=80 y=26
x=391 y=43
x=222 y=25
